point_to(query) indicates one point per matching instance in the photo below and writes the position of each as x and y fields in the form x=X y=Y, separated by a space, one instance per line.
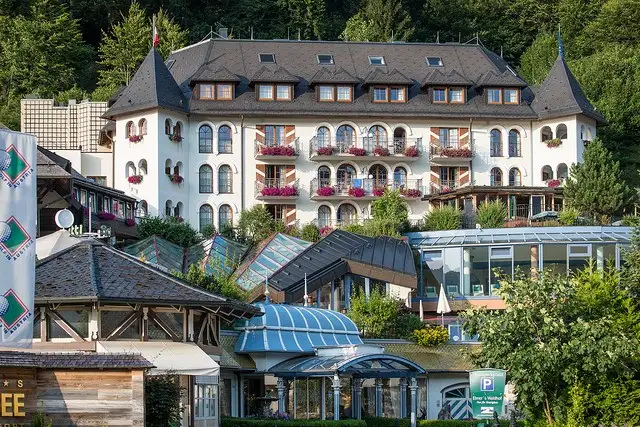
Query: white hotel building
x=316 y=130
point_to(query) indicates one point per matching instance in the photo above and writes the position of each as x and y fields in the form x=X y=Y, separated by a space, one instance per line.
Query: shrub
x=135 y=179
x=392 y=422
x=568 y=216
x=630 y=221
x=381 y=151
x=356 y=192
x=269 y=422
x=208 y=231
x=310 y=233
x=411 y=151
x=431 y=336
x=325 y=151
x=171 y=229
x=491 y=214
x=325 y=191
x=162 y=399
x=444 y=218
x=357 y=151
x=38 y=420
x=255 y=224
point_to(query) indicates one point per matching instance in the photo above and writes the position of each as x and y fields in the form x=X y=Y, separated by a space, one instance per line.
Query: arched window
x=225 y=216
x=583 y=132
x=177 y=169
x=547 y=173
x=457 y=396
x=168 y=208
x=168 y=164
x=224 y=179
x=167 y=127
x=345 y=174
x=142 y=167
x=399 y=140
x=561 y=131
x=130 y=169
x=205 y=216
x=324 y=216
x=379 y=175
x=323 y=137
x=347 y=214
x=546 y=134
x=515 y=147
x=495 y=141
x=496 y=177
x=130 y=129
x=588 y=134
x=399 y=177
x=177 y=130
x=324 y=176
x=143 y=209
x=142 y=126
x=562 y=171
x=224 y=140
x=205 y=179
x=377 y=137
x=515 y=178
x=345 y=138
x=205 y=139
x=178 y=210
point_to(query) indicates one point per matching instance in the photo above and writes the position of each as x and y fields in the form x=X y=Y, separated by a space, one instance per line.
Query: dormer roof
x=507 y=78
x=280 y=75
x=395 y=77
x=207 y=74
x=338 y=76
x=453 y=78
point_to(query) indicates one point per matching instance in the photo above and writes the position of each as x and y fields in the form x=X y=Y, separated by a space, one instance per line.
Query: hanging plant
x=130 y=222
x=411 y=151
x=456 y=152
x=288 y=191
x=175 y=178
x=135 y=179
x=270 y=191
x=553 y=183
x=553 y=143
x=357 y=151
x=411 y=193
x=325 y=151
x=106 y=216
x=135 y=138
x=356 y=192
x=175 y=138
x=381 y=151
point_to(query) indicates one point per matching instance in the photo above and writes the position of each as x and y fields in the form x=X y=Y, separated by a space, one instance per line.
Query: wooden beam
x=160 y=323
x=124 y=325
x=65 y=326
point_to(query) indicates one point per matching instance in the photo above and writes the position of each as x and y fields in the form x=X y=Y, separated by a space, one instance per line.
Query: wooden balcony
x=366 y=149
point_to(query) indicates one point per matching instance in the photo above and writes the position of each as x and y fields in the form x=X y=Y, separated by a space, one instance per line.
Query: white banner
x=18 y=216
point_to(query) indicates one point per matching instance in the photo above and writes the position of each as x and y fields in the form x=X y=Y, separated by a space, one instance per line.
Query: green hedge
x=390 y=422
x=253 y=422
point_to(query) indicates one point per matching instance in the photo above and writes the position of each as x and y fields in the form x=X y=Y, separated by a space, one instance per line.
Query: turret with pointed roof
x=152 y=86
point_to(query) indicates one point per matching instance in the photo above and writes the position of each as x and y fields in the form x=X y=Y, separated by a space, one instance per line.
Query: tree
x=172 y=36
x=310 y=233
x=177 y=232
x=307 y=16
x=558 y=332
x=383 y=316
x=255 y=224
x=390 y=207
x=162 y=400
x=537 y=60
x=595 y=186
x=380 y=21
x=221 y=283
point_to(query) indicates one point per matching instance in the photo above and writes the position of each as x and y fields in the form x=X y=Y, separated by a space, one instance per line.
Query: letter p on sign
x=486 y=384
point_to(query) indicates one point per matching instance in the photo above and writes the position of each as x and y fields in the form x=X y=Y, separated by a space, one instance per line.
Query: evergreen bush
x=568 y=216
x=431 y=336
x=310 y=233
x=491 y=214
x=444 y=218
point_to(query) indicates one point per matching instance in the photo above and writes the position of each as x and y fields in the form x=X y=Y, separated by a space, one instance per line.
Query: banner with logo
x=18 y=215
x=487 y=391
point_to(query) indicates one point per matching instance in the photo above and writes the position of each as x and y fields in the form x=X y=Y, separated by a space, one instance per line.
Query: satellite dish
x=64 y=218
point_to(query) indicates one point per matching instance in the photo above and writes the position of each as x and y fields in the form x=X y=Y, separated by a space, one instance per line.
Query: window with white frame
x=325 y=93
x=206 y=401
x=578 y=256
x=500 y=266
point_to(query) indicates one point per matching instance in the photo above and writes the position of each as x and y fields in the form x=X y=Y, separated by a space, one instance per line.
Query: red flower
x=378 y=191
x=412 y=193
x=106 y=216
x=553 y=183
x=325 y=151
x=356 y=192
x=130 y=222
x=270 y=191
x=288 y=191
x=325 y=191
x=135 y=138
x=357 y=151
x=381 y=151
x=135 y=179
x=176 y=179
x=456 y=152
x=278 y=150
x=325 y=230
x=175 y=138
x=411 y=151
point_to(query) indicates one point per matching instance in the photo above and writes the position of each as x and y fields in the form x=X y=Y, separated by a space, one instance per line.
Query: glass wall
x=432 y=270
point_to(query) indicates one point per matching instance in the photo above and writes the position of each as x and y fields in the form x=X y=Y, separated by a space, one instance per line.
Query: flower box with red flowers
x=357 y=151
x=445 y=189
x=378 y=191
x=456 y=152
x=130 y=222
x=288 y=191
x=135 y=179
x=135 y=138
x=175 y=138
x=175 y=178
x=553 y=183
x=325 y=191
x=411 y=193
x=553 y=143
x=106 y=216
x=270 y=191
x=278 y=150
x=356 y=192
x=411 y=151
x=325 y=230
x=381 y=151
x=325 y=151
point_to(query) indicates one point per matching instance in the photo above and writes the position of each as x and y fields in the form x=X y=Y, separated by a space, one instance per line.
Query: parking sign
x=487 y=391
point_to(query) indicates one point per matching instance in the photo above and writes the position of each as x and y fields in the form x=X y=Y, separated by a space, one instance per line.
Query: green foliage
x=310 y=233
x=608 y=403
x=256 y=224
x=382 y=316
x=74 y=93
x=39 y=420
x=259 y=422
x=162 y=400
x=228 y=232
x=558 y=331
x=221 y=284
x=595 y=186
x=491 y=214
x=631 y=221
x=208 y=231
x=537 y=60
x=431 y=336
x=568 y=216
x=392 y=422
x=444 y=218
x=180 y=233
x=392 y=208
x=379 y=21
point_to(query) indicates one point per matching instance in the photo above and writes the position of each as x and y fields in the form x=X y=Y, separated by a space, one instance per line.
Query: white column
x=281 y=389
x=336 y=397
x=403 y=398
x=600 y=257
x=414 y=403
x=466 y=271
x=241 y=397
x=378 y=397
x=367 y=289
x=358 y=405
x=94 y=318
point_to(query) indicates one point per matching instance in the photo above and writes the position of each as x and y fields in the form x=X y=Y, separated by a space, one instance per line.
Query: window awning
x=167 y=357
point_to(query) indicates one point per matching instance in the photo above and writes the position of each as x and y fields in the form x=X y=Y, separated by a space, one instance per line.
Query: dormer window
x=324 y=59
x=325 y=93
x=494 y=96
x=215 y=91
x=456 y=95
x=376 y=60
x=450 y=95
x=274 y=92
x=511 y=96
x=396 y=94
x=267 y=58
x=333 y=93
x=503 y=96
x=433 y=61
x=389 y=94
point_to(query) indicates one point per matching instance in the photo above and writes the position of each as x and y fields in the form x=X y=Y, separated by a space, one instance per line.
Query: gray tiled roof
x=152 y=86
x=279 y=75
x=337 y=76
x=78 y=360
x=48 y=167
x=395 y=77
x=91 y=271
x=561 y=94
x=206 y=74
x=507 y=78
x=453 y=78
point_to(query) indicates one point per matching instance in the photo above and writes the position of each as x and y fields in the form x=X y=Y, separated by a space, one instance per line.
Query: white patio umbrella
x=421 y=311
x=443 y=303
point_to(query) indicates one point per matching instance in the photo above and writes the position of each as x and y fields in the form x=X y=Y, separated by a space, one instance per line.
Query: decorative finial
x=306 y=294
x=266 y=288
x=560 y=45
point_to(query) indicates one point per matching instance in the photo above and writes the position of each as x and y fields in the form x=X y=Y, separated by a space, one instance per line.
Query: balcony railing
x=452 y=150
x=366 y=187
x=445 y=186
x=275 y=188
x=366 y=147
x=271 y=149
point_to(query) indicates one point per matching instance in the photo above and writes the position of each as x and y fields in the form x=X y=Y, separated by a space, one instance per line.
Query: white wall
x=98 y=164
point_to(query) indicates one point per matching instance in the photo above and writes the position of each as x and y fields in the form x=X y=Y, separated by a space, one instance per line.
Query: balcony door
x=274 y=175
x=449 y=177
x=274 y=135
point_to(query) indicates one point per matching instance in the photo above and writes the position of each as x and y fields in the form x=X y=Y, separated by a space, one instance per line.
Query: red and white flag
x=156 y=37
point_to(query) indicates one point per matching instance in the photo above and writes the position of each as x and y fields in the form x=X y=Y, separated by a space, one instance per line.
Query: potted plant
x=356 y=192
x=278 y=150
x=355 y=151
x=381 y=151
x=456 y=152
x=411 y=151
x=325 y=230
x=175 y=178
x=270 y=191
x=135 y=179
x=106 y=216
x=288 y=191
x=175 y=138
x=378 y=191
x=325 y=151
x=325 y=191
x=412 y=193
x=135 y=138
x=553 y=143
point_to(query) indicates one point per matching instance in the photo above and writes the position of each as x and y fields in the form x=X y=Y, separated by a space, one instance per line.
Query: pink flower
x=412 y=193
x=270 y=191
x=176 y=179
x=553 y=183
x=278 y=150
x=130 y=222
x=381 y=151
x=356 y=192
x=135 y=138
x=378 y=191
x=411 y=151
x=325 y=191
x=106 y=216
x=175 y=138
x=288 y=191
x=325 y=151
x=135 y=179
x=325 y=230
x=357 y=151
x=456 y=152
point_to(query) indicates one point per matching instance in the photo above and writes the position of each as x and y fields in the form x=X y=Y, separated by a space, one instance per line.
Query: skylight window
x=325 y=59
x=434 y=61
x=376 y=60
x=267 y=58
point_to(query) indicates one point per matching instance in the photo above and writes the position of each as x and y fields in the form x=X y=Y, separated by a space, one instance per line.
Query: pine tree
x=380 y=21
x=594 y=186
x=172 y=36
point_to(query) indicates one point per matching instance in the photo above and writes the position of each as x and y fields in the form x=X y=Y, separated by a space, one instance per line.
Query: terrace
x=451 y=154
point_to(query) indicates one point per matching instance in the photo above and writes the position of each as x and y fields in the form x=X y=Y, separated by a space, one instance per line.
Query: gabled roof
x=437 y=77
x=561 y=95
x=158 y=252
x=395 y=77
x=280 y=75
x=152 y=86
x=338 y=76
x=51 y=165
x=93 y=272
x=507 y=78
x=206 y=74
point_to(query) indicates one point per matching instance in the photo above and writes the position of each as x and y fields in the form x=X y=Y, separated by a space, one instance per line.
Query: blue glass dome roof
x=286 y=328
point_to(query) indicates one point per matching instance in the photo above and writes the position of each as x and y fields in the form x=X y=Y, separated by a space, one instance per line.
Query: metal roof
x=286 y=328
x=221 y=255
x=520 y=235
